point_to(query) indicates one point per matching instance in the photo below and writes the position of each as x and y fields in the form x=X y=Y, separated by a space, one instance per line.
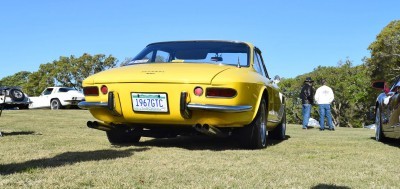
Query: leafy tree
x=349 y=85
x=291 y=88
x=71 y=71
x=18 y=79
x=384 y=63
x=39 y=80
x=67 y=71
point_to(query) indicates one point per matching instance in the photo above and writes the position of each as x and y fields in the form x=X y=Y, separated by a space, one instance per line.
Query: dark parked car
x=387 y=111
x=11 y=97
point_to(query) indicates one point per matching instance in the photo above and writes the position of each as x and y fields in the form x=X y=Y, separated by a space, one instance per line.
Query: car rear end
x=176 y=99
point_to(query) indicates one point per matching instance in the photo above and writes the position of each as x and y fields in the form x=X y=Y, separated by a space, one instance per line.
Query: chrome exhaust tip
x=209 y=130
x=99 y=126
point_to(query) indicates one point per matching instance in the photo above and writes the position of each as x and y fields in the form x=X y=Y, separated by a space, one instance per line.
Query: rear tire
x=379 y=136
x=254 y=135
x=55 y=104
x=279 y=132
x=124 y=136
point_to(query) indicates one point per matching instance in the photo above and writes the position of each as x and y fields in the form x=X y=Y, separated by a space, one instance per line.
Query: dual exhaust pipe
x=209 y=130
x=202 y=128
x=99 y=125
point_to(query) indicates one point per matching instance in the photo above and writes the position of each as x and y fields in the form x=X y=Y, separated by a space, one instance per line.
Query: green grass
x=55 y=149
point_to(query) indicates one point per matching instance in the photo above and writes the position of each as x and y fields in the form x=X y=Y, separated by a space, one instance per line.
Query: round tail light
x=104 y=89
x=198 y=91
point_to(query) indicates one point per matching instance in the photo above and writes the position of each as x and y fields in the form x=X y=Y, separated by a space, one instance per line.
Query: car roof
x=226 y=41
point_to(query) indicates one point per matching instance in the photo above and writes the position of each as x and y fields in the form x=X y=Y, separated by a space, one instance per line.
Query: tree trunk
x=336 y=113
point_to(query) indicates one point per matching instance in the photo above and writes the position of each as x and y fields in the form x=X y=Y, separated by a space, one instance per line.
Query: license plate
x=150 y=102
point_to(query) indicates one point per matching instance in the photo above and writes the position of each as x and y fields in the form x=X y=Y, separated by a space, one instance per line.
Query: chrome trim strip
x=219 y=108
x=89 y=105
x=73 y=100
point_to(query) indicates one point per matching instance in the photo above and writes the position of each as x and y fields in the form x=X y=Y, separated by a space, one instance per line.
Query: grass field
x=55 y=149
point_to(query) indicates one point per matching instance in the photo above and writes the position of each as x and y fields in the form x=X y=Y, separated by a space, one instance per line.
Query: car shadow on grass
x=67 y=158
x=329 y=186
x=390 y=142
x=19 y=133
x=202 y=143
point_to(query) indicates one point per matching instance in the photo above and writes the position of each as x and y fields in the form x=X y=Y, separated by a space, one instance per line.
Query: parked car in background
x=13 y=97
x=217 y=88
x=57 y=98
x=387 y=111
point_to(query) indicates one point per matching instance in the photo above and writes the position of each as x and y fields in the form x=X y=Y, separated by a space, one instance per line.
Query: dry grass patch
x=54 y=149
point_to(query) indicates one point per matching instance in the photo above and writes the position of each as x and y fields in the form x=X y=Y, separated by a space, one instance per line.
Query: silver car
x=387 y=106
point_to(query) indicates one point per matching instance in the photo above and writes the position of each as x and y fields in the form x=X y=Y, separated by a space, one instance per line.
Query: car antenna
x=238 y=64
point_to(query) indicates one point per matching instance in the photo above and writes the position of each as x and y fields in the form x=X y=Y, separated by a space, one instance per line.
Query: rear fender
x=274 y=112
x=262 y=94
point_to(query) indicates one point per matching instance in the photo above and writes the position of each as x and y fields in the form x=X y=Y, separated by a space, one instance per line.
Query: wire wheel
x=55 y=104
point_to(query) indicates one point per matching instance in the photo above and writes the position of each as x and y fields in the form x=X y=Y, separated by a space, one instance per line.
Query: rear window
x=64 y=90
x=214 y=52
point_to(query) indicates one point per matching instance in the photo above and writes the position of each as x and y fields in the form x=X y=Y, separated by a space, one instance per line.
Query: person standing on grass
x=306 y=95
x=324 y=97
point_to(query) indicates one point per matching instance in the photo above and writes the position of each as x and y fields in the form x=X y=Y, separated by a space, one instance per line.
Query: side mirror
x=381 y=85
x=378 y=85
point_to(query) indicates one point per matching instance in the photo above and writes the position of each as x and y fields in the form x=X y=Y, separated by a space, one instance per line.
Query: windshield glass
x=215 y=52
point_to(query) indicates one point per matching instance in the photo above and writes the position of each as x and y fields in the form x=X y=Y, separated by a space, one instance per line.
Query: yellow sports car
x=219 y=88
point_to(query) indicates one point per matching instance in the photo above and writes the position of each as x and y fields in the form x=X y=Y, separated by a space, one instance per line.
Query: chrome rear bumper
x=89 y=105
x=205 y=107
x=219 y=108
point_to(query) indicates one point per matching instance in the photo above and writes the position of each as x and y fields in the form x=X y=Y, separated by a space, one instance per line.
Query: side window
x=148 y=57
x=63 y=90
x=162 y=56
x=258 y=66
x=47 y=91
x=262 y=65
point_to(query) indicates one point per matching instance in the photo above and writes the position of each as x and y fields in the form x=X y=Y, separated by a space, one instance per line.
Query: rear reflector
x=91 y=91
x=221 y=92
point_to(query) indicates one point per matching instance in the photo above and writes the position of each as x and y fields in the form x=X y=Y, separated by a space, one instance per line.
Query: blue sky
x=295 y=36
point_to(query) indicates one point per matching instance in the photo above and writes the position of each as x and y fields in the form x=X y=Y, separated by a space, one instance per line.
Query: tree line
x=351 y=86
x=67 y=71
x=354 y=96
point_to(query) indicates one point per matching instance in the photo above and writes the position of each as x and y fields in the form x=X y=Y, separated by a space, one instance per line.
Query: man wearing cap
x=324 y=97
x=307 y=99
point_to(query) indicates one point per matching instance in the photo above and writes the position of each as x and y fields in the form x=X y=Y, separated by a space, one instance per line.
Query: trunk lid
x=160 y=73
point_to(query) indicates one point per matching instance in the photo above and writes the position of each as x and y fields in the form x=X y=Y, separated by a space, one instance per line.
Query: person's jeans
x=306 y=114
x=325 y=110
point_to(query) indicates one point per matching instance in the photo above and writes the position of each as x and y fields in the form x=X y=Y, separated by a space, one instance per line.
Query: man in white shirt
x=324 y=97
